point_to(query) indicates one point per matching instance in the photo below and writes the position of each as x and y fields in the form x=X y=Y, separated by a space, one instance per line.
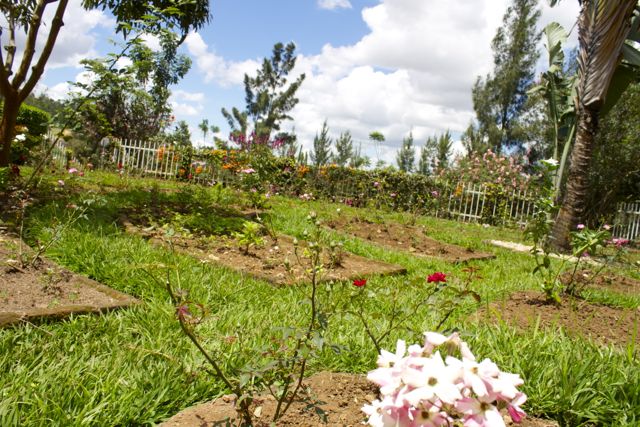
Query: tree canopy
x=18 y=79
x=500 y=98
x=268 y=97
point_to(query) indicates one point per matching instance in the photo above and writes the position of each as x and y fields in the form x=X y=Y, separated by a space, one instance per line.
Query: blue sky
x=396 y=66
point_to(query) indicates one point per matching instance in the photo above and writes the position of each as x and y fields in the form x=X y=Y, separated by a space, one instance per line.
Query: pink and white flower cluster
x=418 y=387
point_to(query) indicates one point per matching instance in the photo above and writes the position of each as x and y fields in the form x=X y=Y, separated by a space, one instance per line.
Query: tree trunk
x=8 y=128
x=573 y=207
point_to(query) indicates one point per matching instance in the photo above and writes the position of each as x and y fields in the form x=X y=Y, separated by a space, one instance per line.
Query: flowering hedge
x=382 y=188
x=504 y=172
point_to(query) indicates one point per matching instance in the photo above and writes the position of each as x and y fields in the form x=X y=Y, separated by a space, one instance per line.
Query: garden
x=295 y=288
x=269 y=278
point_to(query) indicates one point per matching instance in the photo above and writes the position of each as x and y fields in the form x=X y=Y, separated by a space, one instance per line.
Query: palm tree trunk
x=574 y=205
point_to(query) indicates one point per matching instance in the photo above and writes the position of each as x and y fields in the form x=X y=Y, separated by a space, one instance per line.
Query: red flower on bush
x=359 y=282
x=437 y=277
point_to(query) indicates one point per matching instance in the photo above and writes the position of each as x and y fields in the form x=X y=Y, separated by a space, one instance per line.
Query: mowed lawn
x=134 y=366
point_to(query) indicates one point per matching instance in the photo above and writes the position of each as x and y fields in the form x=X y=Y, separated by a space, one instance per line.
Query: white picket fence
x=469 y=202
x=162 y=161
x=627 y=221
x=465 y=202
x=59 y=152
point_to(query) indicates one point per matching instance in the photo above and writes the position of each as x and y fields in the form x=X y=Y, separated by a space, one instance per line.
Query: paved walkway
x=519 y=247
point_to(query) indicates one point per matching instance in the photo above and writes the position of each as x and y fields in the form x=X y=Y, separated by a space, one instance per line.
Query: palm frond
x=603 y=27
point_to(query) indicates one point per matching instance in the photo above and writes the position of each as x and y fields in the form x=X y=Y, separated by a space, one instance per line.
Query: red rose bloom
x=359 y=282
x=437 y=277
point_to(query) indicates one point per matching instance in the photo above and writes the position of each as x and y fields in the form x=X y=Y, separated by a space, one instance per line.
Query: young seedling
x=250 y=236
x=278 y=369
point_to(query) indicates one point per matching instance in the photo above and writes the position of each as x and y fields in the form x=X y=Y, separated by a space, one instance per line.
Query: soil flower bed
x=41 y=289
x=275 y=261
x=332 y=399
x=603 y=281
x=405 y=238
x=604 y=324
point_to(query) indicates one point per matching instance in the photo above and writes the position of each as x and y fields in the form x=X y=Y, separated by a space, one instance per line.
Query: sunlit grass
x=133 y=367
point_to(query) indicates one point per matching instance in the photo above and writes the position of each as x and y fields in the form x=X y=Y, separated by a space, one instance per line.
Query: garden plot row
x=279 y=259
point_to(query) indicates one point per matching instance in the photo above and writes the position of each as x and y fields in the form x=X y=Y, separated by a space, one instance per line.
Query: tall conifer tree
x=406 y=156
x=344 y=149
x=499 y=99
x=321 y=153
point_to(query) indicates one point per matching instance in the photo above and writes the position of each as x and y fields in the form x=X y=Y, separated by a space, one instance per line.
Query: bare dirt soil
x=279 y=261
x=37 y=289
x=332 y=399
x=404 y=237
x=588 y=279
x=603 y=324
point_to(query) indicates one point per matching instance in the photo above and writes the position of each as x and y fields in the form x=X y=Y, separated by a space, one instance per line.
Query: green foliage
x=33 y=123
x=71 y=380
x=250 y=236
x=321 y=154
x=237 y=120
x=426 y=163
x=45 y=103
x=500 y=98
x=538 y=231
x=204 y=128
x=288 y=144
x=473 y=141
x=406 y=156
x=445 y=144
x=267 y=96
x=614 y=175
x=153 y=16
x=159 y=18
x=5 y=179
x=377 y=138
x=35 y=120
x=358 y=160
x=558 y=89
x=504 y=172
x=344 y=149
x=131 y=102
x=181 y=136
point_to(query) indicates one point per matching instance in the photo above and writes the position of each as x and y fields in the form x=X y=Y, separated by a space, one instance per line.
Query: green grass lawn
x=134 y=367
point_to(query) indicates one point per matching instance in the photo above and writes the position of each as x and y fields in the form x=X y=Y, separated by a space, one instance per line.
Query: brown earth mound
x=577 y=317
x=588 y=279
x=331 y=399
x=275 y=261
x=401 y=237
x=36 y=289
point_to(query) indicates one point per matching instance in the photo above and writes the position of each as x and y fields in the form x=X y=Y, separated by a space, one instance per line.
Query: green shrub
x=36 y=122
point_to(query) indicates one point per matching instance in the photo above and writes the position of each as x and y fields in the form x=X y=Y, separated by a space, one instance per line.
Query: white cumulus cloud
x=412 y=72
x=184 y=103
x=215 y=68
x=334 y=4
x=76 y=40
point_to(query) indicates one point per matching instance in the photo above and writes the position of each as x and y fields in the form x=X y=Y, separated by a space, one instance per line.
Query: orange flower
x=198 y=170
